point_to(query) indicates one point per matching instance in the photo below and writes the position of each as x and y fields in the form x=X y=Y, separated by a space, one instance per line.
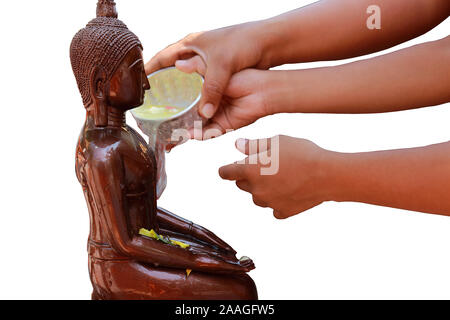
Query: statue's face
x=129 y=82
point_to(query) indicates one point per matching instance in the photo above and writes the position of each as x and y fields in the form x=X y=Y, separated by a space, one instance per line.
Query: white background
x=344 y=250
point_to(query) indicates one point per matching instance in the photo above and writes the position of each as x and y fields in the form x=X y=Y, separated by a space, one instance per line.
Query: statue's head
x=107 y=63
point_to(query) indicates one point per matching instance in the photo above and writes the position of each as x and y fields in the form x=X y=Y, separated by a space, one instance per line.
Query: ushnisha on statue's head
x=108 y=66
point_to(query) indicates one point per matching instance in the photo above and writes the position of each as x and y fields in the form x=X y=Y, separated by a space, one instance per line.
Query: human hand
x=299 y=183
x=219 y=53
x=244 y=101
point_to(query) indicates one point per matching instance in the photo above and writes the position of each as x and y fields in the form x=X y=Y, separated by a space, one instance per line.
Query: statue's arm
x=172 y=222
x=108 y=178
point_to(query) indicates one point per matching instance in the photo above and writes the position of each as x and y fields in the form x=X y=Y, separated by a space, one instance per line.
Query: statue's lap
x=131 y=280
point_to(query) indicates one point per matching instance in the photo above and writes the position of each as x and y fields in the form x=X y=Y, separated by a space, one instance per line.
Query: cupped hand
x=243 y=102
x=284 y=173
x=222 y=53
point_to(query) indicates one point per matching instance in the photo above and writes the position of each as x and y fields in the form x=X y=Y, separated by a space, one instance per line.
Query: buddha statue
x=117 y=171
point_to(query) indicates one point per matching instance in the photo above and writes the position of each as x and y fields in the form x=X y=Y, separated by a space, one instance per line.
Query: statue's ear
x=98 y=86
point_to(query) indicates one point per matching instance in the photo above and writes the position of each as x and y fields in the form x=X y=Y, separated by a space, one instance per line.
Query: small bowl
x=170 y=87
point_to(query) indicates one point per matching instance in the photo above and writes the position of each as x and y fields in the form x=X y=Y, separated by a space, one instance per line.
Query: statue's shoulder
x=110 y=145
x=102 y=145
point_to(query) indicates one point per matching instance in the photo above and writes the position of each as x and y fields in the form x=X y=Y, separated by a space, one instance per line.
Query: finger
x=259 y=202
x=220 y=122
x=244 y=260
x=251 y=147
x=254 y=159
x=279 y=215
x=194 y=64
x=247 y=263
x=244 y=185
x=250 y=266
x=216 y=80
x=166 y=58
x=241 y=84
x=232 y=172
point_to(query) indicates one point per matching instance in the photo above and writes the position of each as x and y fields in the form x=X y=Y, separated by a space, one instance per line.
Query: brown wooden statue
x=116 y=169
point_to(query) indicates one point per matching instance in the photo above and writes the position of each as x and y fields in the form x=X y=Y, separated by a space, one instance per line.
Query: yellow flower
x=152 y=234
x=180 y=244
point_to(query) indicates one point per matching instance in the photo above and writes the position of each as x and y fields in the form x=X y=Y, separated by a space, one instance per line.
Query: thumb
x=194 y=64
x=216 y=81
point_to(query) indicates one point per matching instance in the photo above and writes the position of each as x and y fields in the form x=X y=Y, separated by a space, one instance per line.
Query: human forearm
x=337 y=29
x=415 y=179
x=414 y=77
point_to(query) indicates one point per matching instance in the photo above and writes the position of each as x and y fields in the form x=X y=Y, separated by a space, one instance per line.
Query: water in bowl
x=153 y=112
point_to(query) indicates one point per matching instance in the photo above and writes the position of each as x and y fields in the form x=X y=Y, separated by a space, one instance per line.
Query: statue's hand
x=207 y=236
x=217 y=264
x=247 y=263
